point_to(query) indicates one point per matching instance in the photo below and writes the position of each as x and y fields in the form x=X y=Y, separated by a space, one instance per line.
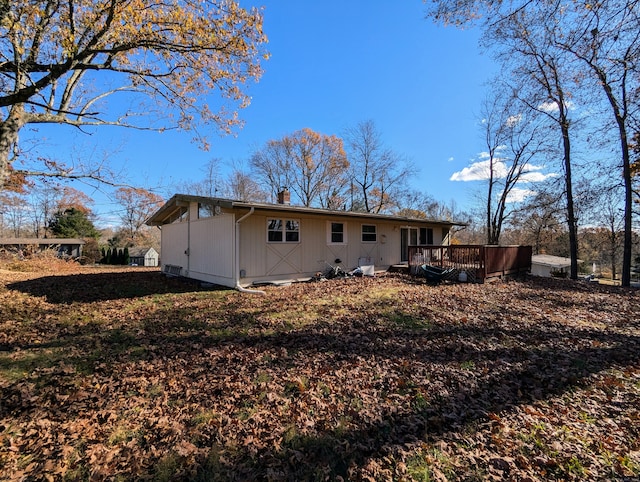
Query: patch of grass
x=121 y=434
x=468 y=365
x=166 y=468
x=407 y=321
x=420 y=465
x=17 y=366
x=262 y=377
x=420 y=402
x=155 y=391
x=574 y=467
x=204 y=417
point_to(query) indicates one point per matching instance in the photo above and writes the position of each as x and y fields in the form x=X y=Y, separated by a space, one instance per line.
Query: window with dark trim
x=336 y=233
x=369 y=233
x=283 y=231
x=426 y=236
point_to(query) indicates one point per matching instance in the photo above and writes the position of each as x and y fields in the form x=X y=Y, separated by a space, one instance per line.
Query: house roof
x=179 y=203
x=551 y=261
x=41 y=241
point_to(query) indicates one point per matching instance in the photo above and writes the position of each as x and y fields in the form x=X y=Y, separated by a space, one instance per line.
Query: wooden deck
x=480 y=263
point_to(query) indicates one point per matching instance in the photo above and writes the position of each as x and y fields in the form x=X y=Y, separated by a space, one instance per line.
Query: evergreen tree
x=73 y=223
x=127 y=258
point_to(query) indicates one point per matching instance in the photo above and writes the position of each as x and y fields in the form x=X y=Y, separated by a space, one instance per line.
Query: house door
x=408 y=237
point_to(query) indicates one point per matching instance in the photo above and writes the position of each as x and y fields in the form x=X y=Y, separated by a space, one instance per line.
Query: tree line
x=356 y=172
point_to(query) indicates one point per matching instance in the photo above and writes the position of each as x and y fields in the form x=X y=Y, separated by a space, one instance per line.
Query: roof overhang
x=179 y=203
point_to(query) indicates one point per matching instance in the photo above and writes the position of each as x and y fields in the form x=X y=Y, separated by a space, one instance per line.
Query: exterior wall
x=544 y=270
x=261 y=260
x=174 y=244
x=211 y=253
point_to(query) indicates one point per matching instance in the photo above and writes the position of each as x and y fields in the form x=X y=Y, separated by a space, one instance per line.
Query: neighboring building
x=70 y=247
x=545 y=264
x=234 y=243
x=143 y=257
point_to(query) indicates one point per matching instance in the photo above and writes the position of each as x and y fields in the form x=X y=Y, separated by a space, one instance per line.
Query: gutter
x=237 y=256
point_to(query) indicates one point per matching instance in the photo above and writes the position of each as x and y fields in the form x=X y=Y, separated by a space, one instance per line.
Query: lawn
x=110 y=374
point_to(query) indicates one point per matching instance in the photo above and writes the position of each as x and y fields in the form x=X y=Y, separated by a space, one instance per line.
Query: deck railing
x=479 y=262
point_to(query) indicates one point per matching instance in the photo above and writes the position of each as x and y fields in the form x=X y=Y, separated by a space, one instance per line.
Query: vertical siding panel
x=253 y=235
x=174 y=244
x=212 y=246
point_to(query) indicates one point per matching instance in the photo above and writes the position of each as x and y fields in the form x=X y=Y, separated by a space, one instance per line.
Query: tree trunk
x=571 y=217
x=9 y=129
x=619 y=113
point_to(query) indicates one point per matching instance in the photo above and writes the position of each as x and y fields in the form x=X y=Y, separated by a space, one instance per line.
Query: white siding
x=212 y=250
x=174 y=245
x=264 y=261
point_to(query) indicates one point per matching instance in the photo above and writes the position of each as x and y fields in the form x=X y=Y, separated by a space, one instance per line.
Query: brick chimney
x=284 y=197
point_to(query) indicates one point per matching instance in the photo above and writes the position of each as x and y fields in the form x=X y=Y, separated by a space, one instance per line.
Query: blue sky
x=333 y=64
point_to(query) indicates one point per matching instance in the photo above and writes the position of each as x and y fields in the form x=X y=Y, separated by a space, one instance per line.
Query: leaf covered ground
x=112 y=374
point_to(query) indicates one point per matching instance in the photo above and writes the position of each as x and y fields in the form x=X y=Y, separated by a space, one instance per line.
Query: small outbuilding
x=139 y=256
x=547 y=265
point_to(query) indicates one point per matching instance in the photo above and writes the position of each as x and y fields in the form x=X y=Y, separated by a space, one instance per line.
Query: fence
x=477 y=261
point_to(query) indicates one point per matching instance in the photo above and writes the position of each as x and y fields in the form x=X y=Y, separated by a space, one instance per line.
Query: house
x=236 y=244
x=65 y=247
x=546 y=264
x=143 y=257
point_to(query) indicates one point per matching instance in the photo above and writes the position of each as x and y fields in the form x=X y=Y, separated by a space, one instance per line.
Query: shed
x=140 y=256
x=545 y=264
x=237 y=243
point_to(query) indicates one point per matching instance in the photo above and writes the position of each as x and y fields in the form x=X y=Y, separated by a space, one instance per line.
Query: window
x=292 y=231
x=279 y=231
x=337 y=234
x=205 y=211
x=369 y=233
x=426 y=236
x=274 y=230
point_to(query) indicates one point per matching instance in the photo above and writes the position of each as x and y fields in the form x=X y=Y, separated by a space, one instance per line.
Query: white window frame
x=330 y=232
x=375 y=233
x=284 y=224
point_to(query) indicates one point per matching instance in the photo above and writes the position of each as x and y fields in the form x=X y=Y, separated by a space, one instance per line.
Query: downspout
x=237 y=257
x=188 y=251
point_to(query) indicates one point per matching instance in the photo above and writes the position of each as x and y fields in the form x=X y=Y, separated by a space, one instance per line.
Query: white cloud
x=513 y=120
x=480 y=171
x=551 y=106
x=450 y=159
x=517 y=195
x=536 y=176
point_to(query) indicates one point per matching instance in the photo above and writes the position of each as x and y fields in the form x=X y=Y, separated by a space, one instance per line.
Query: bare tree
x=243 y=187
x=512 y=141
x=137 y=205
x=377 y=173
x=306 y=162
x=525 y=42
x=606 y=38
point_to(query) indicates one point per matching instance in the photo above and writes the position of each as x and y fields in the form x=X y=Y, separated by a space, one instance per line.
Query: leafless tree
x=378 y=174
x=306 y=162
